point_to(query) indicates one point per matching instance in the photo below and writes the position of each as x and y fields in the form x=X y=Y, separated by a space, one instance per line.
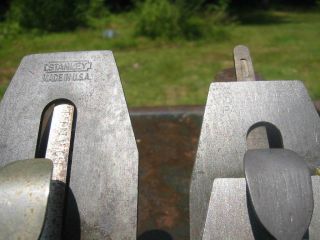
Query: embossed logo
x=67 y=71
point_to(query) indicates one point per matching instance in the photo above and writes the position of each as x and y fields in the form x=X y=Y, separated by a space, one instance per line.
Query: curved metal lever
x=24 y=191
x=280 y=189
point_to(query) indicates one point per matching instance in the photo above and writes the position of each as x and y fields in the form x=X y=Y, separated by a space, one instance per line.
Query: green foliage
x=57 y=15
x=97 y=8
x=223 y=5
x=189 y=7
x=170 y=20
x=181 y=19
x=9 y=30
x=193 y=27
x=97 y=14
x=159 y=19
x=167 y=72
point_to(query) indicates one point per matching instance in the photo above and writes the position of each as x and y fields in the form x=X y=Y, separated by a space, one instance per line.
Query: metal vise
x=259 y=146
x=70 y=108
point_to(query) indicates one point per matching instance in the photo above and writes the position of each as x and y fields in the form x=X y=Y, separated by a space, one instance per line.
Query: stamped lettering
x=67 y=71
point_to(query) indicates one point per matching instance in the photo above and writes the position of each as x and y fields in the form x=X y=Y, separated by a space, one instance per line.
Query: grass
x=284 y=45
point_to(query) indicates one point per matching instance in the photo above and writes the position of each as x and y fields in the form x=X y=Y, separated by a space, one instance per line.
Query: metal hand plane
x=70 y=108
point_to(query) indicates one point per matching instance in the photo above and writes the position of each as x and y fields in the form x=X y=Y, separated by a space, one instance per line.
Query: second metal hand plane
x=244 y=115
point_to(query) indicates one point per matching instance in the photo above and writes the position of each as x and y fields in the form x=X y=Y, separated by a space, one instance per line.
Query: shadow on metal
x=155 y=235
x=72 y=226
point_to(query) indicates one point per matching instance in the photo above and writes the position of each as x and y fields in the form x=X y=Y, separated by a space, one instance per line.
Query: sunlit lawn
x=283 y=46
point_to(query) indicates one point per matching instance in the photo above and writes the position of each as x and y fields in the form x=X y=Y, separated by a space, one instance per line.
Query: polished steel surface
x=24 y=190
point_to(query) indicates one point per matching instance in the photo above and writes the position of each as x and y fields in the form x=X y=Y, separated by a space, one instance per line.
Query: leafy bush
x=165 y=19
x=57 y=15
x=189 y=7
x=9 y=30
x=97 y=14
x=97 y=8
x=159 y=19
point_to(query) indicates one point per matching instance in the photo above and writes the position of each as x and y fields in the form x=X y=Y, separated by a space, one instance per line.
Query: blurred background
x=168 y=51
